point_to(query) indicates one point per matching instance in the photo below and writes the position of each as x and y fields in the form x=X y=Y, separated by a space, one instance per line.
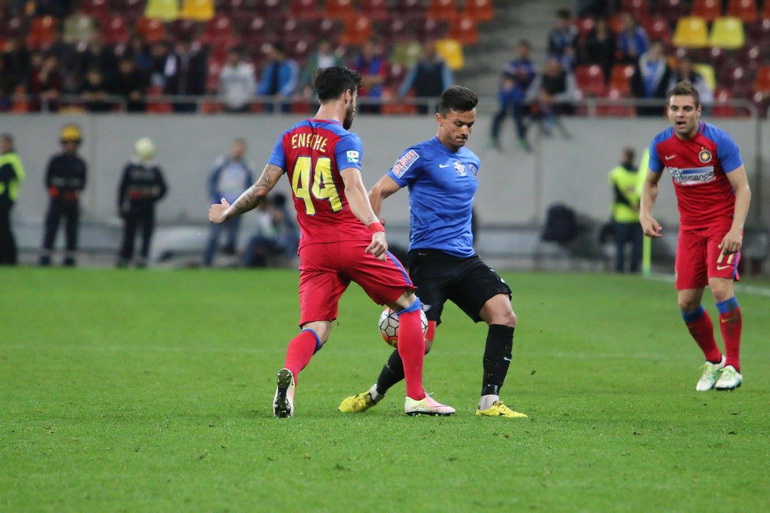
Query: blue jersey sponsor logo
x=693 y=175
x=405 y=162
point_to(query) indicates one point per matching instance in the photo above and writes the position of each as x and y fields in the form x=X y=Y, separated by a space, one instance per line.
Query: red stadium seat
x=375 y=10
x=479 y=10
x=357 y=30
x=762 y=81
x=707 y=9
x=465 y=31
x=670 y=9
x=131 y=9
x=151 y=30
x=585 y=26
x=590 y=79
x=620 y=78
x=639 y=9
x=616 y=111
x=183 y=29
x=746 y=10
x=722 y=95
x=339 y=9
x=95 y=8
x=443 y=10
x=219 y=28
x=305 y=9
x=115 y=29
x=41 y=31
x=658 y=28
x=395 y=29
x=408 y=7
x=430 y=29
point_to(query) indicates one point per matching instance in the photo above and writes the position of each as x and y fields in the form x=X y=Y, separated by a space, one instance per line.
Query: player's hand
x=732 y=242
x=378 y=246
x=217 y=211
x=651 y=227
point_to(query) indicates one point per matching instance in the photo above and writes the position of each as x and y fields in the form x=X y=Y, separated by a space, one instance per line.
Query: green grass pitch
x=151 y=391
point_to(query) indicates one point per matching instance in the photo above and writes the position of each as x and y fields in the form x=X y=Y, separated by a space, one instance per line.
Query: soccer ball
x=389 y=326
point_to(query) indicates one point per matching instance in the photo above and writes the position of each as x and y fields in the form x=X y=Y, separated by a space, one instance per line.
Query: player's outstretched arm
x=250 y=199
x=355 y=192
x=650 y=226
x=733 y=240
x=384 y=187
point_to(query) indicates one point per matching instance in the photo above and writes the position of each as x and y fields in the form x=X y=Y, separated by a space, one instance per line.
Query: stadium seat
x=183 y=29
x=479 y=10
x=197 y=10
x=305 y=9
x=616 y=111
x=356 y=30
x=408 y=7
x=639 y=9
x=727 y=33
x=115 y=29
x=14 y=27
x=430 y=30
x=765 y=14
x=327 y=28
x=465 y=31
x=396 y=75
x=590 y=79
x=131 y=9
x=41 y=31
x=762 y=80
x=722 y=95
x=376 y=10
x=443 y=10
x=392 y=105
x=758 y=32
x=452 y=52
x=659 y=28
x=584 y=25
x=672 y=10
x=395 y=29
x=164 y=10
x=339 y=9
x=620 y=78
x=709 y=10
x=95 y=8
x=219 y=28
x=708 y=74
x=691 y=32
x=745 y=10
x=152 y=30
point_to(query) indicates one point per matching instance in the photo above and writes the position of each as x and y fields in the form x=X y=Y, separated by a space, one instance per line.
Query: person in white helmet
x=140 y=188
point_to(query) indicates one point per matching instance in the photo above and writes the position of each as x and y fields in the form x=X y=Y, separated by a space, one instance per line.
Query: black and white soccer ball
x=389 y=326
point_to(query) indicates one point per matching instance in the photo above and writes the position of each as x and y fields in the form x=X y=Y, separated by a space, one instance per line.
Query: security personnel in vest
x=141 y=186
x=11 y=176
x=625 y=212
x=65 y=180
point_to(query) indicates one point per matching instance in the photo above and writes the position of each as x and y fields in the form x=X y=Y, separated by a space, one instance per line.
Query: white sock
x=486 y=401
x=374 y=394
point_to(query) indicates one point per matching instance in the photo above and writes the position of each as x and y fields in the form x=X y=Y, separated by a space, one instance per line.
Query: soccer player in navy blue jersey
x=442 y=177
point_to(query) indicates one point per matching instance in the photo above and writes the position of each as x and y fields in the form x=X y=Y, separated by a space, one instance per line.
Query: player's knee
x=503 y=318
x=688 y=305
x=721 y=289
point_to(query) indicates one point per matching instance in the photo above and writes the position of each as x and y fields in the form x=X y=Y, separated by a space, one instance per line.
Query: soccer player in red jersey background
x=341 y=238
x=713 y=198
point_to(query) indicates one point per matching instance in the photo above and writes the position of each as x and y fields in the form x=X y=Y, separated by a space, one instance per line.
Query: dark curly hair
x=332 y=82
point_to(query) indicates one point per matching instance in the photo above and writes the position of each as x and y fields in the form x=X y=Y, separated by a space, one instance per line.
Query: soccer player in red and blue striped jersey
x=713 y=198
x=341 y=238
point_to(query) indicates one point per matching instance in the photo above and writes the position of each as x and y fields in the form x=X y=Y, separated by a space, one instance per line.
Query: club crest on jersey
x=704 y=155
x=474 y=170
x=353 y=157
x=405 y=162
x=460 y=168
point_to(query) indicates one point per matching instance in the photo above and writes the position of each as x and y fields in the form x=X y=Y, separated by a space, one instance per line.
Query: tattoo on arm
x=254 y=195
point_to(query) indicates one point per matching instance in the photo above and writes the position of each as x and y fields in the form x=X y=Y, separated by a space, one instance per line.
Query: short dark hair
x=684 y=89
x=332 y=82
x=457 y=98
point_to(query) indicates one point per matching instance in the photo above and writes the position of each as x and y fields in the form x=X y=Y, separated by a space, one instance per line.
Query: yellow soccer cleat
x=357 y=403
x=498 y=409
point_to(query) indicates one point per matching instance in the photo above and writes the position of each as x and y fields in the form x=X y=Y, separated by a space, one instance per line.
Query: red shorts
x=699 y=258
x=326 y=270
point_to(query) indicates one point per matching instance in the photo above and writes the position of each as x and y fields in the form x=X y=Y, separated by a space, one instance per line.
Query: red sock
x=411 y=348
x=702 y=330
x=731 y=324
x=300 y=351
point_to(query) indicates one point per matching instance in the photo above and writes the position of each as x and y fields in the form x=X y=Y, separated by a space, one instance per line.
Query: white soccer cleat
x=710 y=375
x=426 y=406
x=729 y=379
x=283 y=402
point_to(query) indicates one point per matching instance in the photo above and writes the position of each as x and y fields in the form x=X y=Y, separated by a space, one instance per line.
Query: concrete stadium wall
x=516 y=187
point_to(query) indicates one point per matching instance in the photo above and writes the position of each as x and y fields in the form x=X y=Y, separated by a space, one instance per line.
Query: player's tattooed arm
x=256 y=194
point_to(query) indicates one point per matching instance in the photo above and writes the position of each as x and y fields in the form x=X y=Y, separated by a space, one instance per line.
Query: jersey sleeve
x=407 y=168
x=654 y=164
x=728 y=152
x=278 y=157
x=349 y=151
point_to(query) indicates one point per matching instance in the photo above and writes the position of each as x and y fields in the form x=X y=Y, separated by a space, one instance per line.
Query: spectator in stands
x=428 y=78
x=684 y=72
x=44 y=83
x=633 y=41
x=8 y=83
x=516 y=78
x=160 y=58
x=78 y=27
x=65 y=52
x=97 y=55
x=372 y=64
x=323 y=57
x=186 y=72
x=276 y=235
x=16 y=58
x=138 y=51
x=562 y=39
x=231 y=176
x=279 y=78
x=94 y=92
x=237 y=81
x=131 y=84
x=651 y=78
x=553 y=92
x=599 y=47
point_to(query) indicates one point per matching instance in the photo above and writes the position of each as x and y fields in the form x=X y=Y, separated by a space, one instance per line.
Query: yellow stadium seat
x=727 y=32
x=164 y=10
x=198 y=10
x=691 y=32
x=452 y=52
x=707 y=72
